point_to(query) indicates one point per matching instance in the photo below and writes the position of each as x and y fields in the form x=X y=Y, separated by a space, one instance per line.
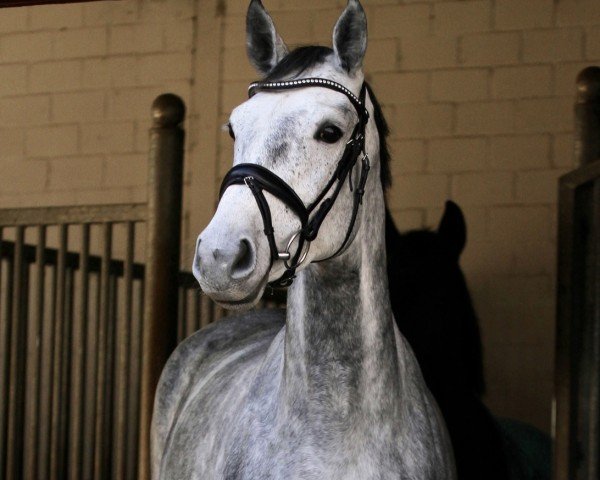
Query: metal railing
x=83 y=336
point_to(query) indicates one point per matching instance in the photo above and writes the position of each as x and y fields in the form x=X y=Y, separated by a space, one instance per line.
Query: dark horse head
x=432 y=304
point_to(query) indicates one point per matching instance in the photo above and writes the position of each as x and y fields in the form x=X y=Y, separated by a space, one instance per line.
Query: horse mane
x=301 y=59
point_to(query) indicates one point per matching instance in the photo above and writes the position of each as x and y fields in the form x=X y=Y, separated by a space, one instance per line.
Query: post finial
x=168 y=110
x=588 y=85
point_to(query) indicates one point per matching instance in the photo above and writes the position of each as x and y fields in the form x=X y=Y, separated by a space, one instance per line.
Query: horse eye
x=329 y=134
x=231 y=134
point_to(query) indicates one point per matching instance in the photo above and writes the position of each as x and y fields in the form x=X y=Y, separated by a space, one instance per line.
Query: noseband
x=259 y=179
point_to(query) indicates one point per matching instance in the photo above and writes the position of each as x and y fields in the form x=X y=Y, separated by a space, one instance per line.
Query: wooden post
x=587 y=116
x=162 y=256
x=577 y=388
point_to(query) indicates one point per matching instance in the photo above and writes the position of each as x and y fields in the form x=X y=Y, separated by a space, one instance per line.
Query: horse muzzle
x=227 y=270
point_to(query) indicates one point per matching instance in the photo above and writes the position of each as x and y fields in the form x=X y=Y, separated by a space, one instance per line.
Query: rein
x=258 y=178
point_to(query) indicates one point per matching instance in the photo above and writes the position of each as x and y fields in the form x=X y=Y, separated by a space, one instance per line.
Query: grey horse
x=328 y=389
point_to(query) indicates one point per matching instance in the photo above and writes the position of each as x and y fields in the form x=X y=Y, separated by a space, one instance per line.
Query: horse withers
x=329 y=389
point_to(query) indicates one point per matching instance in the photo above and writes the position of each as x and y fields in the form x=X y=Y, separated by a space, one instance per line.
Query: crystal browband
x=309 y=82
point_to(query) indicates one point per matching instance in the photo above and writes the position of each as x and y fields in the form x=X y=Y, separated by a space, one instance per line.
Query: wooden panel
x=577 y=433
x=4 y=357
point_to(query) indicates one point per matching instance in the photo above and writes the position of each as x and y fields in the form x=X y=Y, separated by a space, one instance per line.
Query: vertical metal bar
x=91 y=362
x=34 y=361
x=163 y=244
x=66 y=365
x=100 y=470
x=18 y=349
x=109 y=417
x=128 y=343
x=57 y=450
x=121 y=431
x=135 y=358
x=47 y=374
x=76 y=431
x=24 y=381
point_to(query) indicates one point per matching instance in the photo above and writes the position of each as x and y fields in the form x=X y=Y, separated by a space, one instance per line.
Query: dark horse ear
x=264 y=46
x=453 y=229
x=350 y=37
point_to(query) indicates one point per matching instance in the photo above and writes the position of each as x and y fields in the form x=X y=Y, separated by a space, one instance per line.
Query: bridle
x=258 y=178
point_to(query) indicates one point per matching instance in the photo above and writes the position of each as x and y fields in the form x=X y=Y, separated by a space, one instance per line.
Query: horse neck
x=340 y=350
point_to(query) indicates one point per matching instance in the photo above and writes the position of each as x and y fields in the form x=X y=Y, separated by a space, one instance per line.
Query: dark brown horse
x=434 y=311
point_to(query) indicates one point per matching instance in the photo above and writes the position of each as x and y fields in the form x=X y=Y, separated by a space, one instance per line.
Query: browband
x=360 y=107
x=258 y=178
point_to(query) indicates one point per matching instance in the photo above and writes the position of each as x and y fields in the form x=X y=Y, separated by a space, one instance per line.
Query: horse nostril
x=196 y=262
x=243 y=263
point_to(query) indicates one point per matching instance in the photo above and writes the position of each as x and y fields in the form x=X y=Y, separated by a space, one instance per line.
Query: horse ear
x=264 y=46
x=350 y=37
x=453 y=229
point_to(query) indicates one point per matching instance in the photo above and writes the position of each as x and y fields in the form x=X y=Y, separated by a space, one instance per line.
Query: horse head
x=290 y=145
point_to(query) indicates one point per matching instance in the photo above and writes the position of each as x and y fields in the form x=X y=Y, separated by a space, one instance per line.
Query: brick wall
x=478 y=94
x=77 y=83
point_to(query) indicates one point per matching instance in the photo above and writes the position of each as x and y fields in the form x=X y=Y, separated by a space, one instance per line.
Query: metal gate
x=84 y=335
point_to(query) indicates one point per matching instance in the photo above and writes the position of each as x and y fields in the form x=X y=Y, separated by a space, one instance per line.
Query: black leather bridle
x=258 y=179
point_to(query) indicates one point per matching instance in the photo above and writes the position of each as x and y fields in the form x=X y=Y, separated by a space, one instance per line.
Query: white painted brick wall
x=460 y=85
x=77 y=84
x=458 y=154
x=490 y=48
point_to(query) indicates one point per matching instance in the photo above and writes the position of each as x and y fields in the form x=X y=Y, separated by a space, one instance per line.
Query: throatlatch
x=258 y=179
